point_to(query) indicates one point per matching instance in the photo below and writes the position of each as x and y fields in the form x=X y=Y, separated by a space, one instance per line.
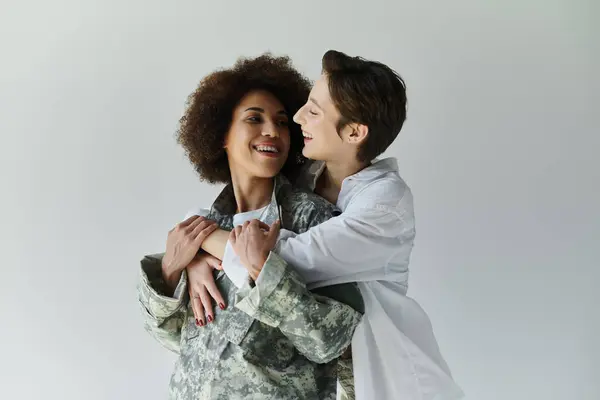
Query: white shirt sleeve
x=371 y=240
x=358 y=243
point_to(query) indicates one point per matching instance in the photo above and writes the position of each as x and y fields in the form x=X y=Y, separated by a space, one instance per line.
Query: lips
x=268 y=149
x=307 y=137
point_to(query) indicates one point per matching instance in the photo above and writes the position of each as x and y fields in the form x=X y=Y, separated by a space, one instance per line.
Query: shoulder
x=388 y=190
x=385 y=200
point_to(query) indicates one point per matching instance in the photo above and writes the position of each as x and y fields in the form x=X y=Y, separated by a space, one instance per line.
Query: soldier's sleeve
x=320 y=327
x=163 y=315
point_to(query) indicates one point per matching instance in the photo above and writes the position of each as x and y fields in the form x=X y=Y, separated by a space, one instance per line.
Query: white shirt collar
x=370 y=173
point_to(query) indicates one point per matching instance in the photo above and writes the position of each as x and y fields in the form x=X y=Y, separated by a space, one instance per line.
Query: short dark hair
x=209 y=112
x=369 y=93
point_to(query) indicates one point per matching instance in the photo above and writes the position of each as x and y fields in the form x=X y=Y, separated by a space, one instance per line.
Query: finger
x=232 y=237
x=253 y=222
x=191 y=220
x=246 y=225
x=238 y=231
x=185 y=223
x=215 y=294
x=189 y=229
x=196 y=307
x=197 y=226
x=214 y=262
x=274 y=231
x=201 y=234
x=262 y=225
x=206 y=304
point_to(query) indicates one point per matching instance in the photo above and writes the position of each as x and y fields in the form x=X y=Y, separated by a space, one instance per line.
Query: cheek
x=238 y=143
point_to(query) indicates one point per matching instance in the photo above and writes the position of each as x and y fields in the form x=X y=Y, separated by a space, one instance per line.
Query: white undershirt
x=240 y=218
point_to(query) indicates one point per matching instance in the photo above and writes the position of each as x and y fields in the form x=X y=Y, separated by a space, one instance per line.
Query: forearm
x=354 y=247
x=215 y=243
x=320 y=327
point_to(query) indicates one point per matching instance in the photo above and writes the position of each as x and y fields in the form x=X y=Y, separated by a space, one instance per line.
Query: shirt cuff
x=153 y=288
x=233 y=267
x=274 y=295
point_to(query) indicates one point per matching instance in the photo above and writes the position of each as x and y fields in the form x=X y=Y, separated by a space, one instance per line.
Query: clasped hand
x=252 y=242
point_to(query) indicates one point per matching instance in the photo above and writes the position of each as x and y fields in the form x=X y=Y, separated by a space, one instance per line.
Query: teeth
x=306 y=135
x=269 y=149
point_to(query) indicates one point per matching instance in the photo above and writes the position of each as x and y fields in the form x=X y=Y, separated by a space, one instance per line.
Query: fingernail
x=221 y=306
x=197 y=322
x=209 y=318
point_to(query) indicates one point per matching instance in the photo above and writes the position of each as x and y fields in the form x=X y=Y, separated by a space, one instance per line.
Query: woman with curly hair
x=269 y=338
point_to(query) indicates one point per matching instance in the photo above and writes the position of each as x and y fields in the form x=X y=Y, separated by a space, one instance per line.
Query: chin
x=267 y=173
x=311 y=155
x=306 y=153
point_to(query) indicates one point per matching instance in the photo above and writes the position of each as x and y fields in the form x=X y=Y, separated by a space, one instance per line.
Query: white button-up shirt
x=395 y=354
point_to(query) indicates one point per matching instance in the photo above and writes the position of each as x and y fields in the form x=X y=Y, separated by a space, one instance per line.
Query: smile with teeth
x=307 y=135
x=266 y=149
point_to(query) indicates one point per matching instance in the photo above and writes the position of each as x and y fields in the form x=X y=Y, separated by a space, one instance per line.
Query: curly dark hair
x=209 y=112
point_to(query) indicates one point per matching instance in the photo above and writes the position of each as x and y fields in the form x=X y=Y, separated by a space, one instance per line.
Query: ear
x=357 y=133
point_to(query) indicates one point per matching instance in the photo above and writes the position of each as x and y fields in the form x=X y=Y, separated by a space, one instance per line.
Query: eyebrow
x=261 y=110
x=314 y=101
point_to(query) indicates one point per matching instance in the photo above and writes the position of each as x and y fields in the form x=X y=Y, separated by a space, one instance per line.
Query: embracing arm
x=357 y=244
x=161 y=274
x=321 y=325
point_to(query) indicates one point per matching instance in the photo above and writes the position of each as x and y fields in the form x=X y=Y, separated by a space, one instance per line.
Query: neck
x=329 y=184
x=251 y=193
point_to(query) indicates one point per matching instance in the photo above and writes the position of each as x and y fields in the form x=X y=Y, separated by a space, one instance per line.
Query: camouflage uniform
x=276 y=339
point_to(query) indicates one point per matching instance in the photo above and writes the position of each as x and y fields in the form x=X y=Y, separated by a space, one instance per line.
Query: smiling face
x=319 y=120
x=258 y=140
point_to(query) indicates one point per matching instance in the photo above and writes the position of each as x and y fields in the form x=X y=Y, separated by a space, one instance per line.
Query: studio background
x=499 y=148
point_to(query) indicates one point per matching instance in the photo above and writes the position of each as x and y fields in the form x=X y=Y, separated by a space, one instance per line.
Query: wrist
x=259 y=263
x=170 y=273
x=263 y=258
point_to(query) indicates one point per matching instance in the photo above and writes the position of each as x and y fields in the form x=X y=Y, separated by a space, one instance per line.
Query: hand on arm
x=183 y=243
x=253 y=242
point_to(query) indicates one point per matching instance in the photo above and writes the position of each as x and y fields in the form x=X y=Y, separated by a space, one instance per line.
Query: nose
x=298 y=117
x=270 y=130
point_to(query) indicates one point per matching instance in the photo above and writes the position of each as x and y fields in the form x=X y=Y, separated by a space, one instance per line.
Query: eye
x=284 y=123
x=254 y=119
x=312 y=112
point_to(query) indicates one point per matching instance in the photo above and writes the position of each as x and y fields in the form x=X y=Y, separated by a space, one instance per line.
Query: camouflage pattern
x=275 y=339
x=346 y=378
